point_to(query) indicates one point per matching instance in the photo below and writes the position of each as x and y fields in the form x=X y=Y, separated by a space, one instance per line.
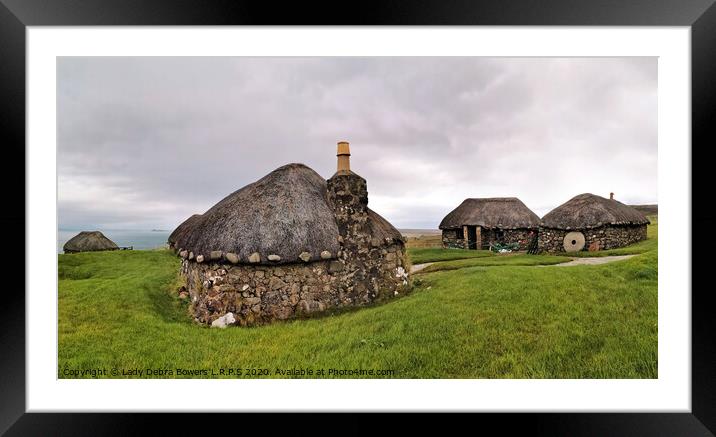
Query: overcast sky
x=145 y=142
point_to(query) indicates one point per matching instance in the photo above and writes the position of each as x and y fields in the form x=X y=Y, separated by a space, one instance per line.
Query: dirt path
x=419 y=267
x=592 y=261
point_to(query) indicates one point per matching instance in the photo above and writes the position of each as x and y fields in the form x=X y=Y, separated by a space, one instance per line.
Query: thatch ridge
x=89 y=241
x=285 y=213
x=586 y=211
x=491 y=212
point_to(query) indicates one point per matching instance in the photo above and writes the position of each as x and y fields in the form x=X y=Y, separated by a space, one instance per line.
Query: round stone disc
x=574 y=242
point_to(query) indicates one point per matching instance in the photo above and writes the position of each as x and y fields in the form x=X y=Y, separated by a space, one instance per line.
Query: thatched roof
x=587 y=211
x=285 y=213
x=183 y=229
x=89 y=241
x=381 y=228
x=493 y=212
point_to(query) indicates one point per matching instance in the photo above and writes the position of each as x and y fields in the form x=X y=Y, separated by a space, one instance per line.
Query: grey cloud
x=145 y=142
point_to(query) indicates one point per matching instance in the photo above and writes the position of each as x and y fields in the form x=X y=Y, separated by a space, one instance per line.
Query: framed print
x=436 y=208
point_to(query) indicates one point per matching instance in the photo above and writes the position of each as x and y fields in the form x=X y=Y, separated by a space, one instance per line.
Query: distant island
x=159 y=230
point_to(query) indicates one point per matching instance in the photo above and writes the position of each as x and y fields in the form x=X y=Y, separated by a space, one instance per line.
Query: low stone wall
x=259 y=294
x=519 y=236
x=602 y=238
x=452 y=238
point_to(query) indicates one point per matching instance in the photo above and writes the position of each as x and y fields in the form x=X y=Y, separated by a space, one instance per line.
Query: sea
x=153 y=239
x=139 y=240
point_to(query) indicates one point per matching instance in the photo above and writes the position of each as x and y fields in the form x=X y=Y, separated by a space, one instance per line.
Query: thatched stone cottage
x=287 y=245
x=479 y=223
x=89 y=241
x=591 y=222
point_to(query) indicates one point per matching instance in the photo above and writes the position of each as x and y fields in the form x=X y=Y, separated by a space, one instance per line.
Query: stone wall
x=263 y=293
x=601 y=238
x=369 y=267
x=519 y=236
x=452 y=238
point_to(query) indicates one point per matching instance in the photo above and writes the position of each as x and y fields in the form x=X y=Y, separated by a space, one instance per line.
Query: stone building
x=479 y=223
x=89 y=241
x=590 y=222
x=287 y=245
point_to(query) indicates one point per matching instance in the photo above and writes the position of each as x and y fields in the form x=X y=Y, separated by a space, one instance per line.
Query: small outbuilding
x=591 y=222
x=89 y=241
x=290 y=244
x=482 y=222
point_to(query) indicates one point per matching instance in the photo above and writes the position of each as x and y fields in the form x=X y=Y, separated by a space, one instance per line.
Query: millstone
x=573 y=241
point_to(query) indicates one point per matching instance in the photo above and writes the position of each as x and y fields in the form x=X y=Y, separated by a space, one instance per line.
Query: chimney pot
x=344 y=157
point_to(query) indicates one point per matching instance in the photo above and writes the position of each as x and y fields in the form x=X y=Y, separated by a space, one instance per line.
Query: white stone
x=200 y=258
x=305 y=256
x=232 y=257
x=255 y=258
x=223 y=321
x=274 y=257
x=325 y=254
x=245 y=287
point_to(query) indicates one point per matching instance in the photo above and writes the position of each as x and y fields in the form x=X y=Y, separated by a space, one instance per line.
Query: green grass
x=426 y=255
x=119 y=310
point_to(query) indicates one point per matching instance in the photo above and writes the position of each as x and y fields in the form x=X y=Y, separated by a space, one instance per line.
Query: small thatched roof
x=587 y=211
x=285 y=213
x=492 y=212
x=183 y=229
x=89 y=241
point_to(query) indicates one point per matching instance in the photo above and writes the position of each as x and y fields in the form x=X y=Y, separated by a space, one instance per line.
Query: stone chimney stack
x=611 y=196
x=344 y=158
x=348 y=193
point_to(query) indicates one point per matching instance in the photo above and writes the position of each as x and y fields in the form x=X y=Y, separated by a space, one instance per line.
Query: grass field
x=489 y=316
x=424 y=241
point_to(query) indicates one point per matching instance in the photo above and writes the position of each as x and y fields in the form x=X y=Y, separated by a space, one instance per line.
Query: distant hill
x=647 y=209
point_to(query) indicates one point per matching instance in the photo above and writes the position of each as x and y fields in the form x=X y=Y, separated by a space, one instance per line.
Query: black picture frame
x=16 y=15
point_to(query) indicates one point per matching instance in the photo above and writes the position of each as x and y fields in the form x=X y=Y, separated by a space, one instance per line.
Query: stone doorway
x=472 y=237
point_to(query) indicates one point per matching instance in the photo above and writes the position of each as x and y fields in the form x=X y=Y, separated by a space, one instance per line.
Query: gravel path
x=419 y=267
x=592 y=261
